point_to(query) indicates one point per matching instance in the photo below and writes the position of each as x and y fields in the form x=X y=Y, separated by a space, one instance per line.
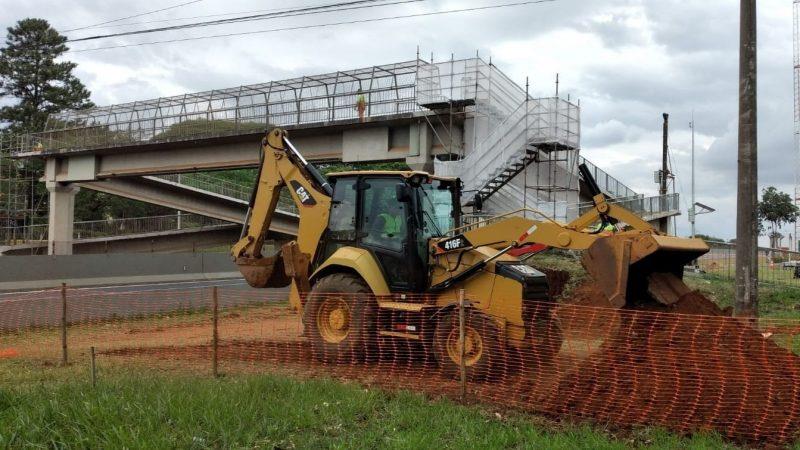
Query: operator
x=607 y=229
x=392 y=224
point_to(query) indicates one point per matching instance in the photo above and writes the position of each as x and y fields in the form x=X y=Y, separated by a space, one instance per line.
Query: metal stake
x=63 y=324
x=215 y=336
x=461 y=349
x=94 y=367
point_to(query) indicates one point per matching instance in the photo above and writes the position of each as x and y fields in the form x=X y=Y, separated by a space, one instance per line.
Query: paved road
x=20 y=310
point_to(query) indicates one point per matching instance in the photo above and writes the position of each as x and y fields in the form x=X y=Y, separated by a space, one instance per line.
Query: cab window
x=383 y=218
x=436 y=205
x=342 y=223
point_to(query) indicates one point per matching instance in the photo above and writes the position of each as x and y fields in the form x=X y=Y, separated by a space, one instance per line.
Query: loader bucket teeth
x=633 y=269
x=263 y=272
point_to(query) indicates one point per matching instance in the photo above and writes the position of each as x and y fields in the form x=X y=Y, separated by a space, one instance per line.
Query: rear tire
x=546 y=341
x=484 y=354
x=339 y=318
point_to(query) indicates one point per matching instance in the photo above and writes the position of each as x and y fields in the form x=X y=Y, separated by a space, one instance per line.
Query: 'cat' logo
x=303 y=194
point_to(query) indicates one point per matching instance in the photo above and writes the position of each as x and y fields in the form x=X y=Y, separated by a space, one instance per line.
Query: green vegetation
x=246 y=177
x=776 y=208
x=561 y=260
x=155 y=410
x=208 y=127
x=774 y=300
x=346 y=167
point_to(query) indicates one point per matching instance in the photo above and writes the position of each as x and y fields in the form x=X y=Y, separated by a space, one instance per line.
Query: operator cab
x=392 y=215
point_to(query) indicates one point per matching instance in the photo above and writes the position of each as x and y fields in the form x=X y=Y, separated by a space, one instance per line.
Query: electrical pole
x=746 y=300
x=663 y=223
x=692 y=211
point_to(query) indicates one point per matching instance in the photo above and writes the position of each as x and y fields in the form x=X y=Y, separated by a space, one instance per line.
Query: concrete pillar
x=420 y=143
x=61 y=219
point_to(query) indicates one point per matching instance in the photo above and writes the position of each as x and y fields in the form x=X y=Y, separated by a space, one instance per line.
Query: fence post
x=215 y=332
x=94 y=367
x=63 y=324
x=461 y=350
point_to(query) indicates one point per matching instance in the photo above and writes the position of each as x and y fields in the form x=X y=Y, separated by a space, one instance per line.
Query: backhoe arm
x=282 y=165
x=515 y=231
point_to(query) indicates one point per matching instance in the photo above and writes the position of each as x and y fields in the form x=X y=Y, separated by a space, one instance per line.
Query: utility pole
x=692 y=211
x=746 y=299
x=663 y=223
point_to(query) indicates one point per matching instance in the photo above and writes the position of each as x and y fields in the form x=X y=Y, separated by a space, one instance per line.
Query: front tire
x=339 y=318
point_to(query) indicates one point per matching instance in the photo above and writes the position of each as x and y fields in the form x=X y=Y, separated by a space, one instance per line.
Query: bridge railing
x=113 y=227
x=222 y=186
x=386 y=90
x=646 y=207
x=607 y=183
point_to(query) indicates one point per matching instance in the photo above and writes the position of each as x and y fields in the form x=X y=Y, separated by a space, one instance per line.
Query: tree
x=708 y=238
x=30 y=75
x=776 y=208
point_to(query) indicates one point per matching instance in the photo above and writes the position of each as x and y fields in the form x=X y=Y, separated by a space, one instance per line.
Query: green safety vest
x=391 y=224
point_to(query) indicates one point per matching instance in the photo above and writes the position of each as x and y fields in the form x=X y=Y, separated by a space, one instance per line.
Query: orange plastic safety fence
x=685 y=372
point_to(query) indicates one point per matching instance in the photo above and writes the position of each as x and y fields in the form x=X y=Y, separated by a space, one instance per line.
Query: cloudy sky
x=627 y=60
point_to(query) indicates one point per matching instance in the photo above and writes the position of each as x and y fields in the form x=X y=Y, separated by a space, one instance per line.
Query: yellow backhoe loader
x=383 y=255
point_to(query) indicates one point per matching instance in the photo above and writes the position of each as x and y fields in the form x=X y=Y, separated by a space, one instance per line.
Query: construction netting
x=688 y=370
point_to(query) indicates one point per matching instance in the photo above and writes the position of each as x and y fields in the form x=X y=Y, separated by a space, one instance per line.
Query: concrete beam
x=369 y=142
x=173 y=195
x=187 y=199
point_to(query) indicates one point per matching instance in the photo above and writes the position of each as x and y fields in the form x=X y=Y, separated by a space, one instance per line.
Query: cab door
x=385 y=229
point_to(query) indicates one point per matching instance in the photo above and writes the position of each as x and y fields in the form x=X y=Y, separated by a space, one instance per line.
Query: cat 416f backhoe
x=383 y=255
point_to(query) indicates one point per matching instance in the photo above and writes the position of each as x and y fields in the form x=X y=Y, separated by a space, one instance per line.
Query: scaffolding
x=510 y=132
x=21 y=203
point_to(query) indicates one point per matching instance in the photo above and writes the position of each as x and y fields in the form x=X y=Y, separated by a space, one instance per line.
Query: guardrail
x=643 y=206
x=607 y=183
x=113 y=227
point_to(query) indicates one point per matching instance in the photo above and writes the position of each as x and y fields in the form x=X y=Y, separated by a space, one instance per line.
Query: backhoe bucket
x=637 y=268
x=264 y=272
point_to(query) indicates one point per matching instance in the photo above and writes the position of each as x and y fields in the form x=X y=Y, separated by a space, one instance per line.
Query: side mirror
x=403 y=193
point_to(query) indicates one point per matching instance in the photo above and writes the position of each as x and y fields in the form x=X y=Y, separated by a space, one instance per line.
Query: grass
x=774 y=300
x=152 y=410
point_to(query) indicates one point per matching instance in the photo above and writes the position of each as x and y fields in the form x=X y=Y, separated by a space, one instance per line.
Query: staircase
x=530 y=133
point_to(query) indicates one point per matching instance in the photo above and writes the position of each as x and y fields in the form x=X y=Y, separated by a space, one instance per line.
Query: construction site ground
x=268 y=339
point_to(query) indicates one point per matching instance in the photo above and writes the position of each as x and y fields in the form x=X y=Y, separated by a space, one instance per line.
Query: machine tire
x=484 y=351
x=546 y=341
x=340 y=327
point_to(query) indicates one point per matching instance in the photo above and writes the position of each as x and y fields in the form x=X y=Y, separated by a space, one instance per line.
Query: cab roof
x=383 y=173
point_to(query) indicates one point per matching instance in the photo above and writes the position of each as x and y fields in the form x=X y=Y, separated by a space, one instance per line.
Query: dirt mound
x=588 y=294
x=692 y=370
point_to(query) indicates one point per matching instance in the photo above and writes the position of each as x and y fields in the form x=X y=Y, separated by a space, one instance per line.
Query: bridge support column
x=420 y=154
x=61 y=218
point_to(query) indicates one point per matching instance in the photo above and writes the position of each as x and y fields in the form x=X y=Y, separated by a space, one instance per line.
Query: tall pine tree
x=33 y=80
x=33 y=84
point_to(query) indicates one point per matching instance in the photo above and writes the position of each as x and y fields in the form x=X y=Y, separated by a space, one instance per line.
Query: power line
x=323 y=25
x=133 y=16
x=340 y=6
x=205 y=16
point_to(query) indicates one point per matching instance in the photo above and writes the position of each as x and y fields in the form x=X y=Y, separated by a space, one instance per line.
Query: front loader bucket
x=637 y=268
x=264 y=272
